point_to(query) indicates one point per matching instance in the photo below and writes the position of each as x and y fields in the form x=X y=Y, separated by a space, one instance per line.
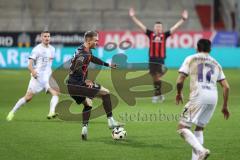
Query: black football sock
x=157 y=87
x=107 y=105
x=86 y=115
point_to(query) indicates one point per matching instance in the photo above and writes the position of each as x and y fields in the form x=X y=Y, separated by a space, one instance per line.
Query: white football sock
x=19 y=103
x=53 y=103
x=110 y=119
x=199 y=136
x=84 y=130
x=191 y=139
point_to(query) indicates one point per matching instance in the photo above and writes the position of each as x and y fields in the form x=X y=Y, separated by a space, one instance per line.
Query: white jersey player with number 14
x=204 y=72
x=40 y=63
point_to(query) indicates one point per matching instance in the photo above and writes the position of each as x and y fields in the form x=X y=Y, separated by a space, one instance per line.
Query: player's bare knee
x=87 y=102
x=53 y=92
x=103 y=91
x=180 y=129
x=182 y=132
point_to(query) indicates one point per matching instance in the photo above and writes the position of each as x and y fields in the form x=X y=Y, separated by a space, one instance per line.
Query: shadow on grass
x=133 y=142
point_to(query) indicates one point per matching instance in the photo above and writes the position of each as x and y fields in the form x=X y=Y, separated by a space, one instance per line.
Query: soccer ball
x=118 y=133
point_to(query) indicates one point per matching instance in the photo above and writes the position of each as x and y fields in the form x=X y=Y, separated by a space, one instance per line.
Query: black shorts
x=156 y=66
x=80 y=92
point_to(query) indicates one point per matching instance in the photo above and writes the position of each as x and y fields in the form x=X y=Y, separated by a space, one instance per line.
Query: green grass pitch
x=30 y=136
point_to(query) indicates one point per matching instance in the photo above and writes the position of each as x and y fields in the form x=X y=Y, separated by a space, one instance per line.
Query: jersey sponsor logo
x=158 y=39
x=80 y=58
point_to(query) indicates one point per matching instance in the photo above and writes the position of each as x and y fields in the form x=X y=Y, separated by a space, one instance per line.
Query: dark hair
x=158 y=22
x=90 y=34
x=204 y=45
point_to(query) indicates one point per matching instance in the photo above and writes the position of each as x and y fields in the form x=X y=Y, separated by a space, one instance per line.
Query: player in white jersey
x=40 y=63
x=204 y=72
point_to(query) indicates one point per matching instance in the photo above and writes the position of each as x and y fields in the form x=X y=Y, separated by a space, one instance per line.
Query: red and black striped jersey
x=80 y=62
x=157 y=44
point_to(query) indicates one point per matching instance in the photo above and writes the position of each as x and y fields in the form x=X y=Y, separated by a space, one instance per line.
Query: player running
x=83 y=90
x=204 y=72
x=157 y=50
x=40 y=62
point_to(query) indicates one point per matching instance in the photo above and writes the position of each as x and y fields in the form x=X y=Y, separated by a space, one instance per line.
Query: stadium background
x=30 y=134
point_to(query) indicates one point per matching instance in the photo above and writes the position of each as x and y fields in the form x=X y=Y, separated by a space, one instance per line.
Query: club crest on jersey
x=158 y=38
x=80 y=58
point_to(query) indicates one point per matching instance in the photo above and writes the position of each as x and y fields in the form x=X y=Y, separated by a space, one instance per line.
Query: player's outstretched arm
x=102 y=63
x=180 y=22
x=225 y=87
x=137 y=21
x=180 y=82
x=31 y=69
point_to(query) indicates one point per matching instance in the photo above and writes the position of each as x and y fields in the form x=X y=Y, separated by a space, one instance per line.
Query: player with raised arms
x=157 y=50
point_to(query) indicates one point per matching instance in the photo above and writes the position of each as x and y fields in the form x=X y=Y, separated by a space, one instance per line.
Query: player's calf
x=19 y=103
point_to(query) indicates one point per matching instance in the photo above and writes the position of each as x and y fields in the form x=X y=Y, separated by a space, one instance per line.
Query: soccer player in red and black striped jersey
x=83 y=90
x=157 y=49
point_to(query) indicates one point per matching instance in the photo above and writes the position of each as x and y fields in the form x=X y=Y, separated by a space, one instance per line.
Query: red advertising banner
x=176 y=40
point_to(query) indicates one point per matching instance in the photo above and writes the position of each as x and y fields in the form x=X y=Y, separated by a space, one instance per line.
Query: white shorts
x=36 y=86
x=197 y=113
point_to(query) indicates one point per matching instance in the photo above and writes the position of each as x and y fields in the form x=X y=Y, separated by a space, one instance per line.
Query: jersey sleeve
x=167 y=34
x=99 y=61
x=221 y=75
x=148 y=32
x=34 y=54
x=185 y=67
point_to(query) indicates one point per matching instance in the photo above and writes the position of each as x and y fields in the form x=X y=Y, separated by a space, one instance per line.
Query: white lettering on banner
x=138 y=40
x=172 y=41
x=2 y=62
x=24 y=59
x=12 y=55
x=58 y=55
x=127 y=36
x=184 y=40
x=141 y=41
x=6 y=41
x=196 y=38
x=112 y=38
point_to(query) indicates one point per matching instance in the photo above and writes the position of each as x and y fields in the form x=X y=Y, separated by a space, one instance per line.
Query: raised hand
x=185 y=14
x=114 y=66
x=131 y=12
